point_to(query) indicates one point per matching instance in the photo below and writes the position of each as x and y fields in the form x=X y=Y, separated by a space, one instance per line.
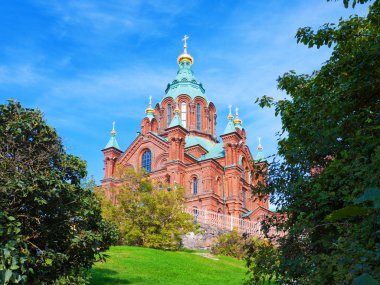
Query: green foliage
x=327 y=178
x=263 y=260
x=230 y=244
x=50 y=223
x=146 y=216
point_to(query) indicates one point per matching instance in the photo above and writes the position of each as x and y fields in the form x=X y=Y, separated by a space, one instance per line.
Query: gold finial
x=259 y=147
x=149 y=109
x=237 y=121
x=185 y=55
x=113 y=132
x=230 y=117
x=177 y=110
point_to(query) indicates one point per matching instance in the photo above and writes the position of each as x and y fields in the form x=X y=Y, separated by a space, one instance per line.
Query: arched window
x=198 y=116
x=169 y=114
x=146 y=161
x=195 y=211
x=183 y=114
x=208 y=120
x=195 y=186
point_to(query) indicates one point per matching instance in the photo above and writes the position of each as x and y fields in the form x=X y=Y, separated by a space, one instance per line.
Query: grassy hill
x=136 y=265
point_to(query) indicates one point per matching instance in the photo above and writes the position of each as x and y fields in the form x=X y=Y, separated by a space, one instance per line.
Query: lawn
x=136 y=265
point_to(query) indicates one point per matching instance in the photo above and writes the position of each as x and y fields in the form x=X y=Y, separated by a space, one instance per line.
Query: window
x=147 y=160
x=208 y=120
x=183 y=114
x=195 y=186
x=198 y=116
x=243 y=198
x=195 y=211
x=169 y=114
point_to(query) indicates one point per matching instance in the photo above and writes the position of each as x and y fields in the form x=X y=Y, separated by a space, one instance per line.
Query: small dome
x=185 y=56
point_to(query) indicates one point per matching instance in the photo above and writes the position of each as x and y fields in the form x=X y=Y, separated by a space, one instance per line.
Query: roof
x=185 y=83
x=113 y=143
x=230 y=128
x=176 y=121
x=214 y=150
x=260 y=156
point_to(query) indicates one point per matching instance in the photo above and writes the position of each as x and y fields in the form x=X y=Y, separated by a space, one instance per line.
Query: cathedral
x=178 y=145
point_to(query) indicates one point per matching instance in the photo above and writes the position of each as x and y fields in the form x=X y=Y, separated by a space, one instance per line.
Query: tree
x=51 y=229
x=146 y=215
x=327 y=178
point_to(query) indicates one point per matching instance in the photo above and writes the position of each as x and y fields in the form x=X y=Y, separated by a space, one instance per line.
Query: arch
x=164 y=105
x=212 y=118
x=160 y=161
x=195 y=185
x=219 y=186
x=154 y=125
x=195 y=213
x=169 y=114
x=198 y=116
x=146 y=160
x=184 y=113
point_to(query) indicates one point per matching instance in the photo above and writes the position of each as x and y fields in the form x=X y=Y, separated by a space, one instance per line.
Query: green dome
x=185 y=83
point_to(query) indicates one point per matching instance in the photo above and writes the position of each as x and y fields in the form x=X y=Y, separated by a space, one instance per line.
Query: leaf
x=365 y=279
x=347 y=212
x=7 y=276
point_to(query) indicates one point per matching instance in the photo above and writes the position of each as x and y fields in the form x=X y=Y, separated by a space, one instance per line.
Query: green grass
x=136 y=265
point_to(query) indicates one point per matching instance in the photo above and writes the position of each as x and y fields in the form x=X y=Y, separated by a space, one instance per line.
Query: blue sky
x=87 y=63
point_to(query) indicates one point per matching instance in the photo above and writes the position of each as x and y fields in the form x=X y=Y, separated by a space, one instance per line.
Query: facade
x=178 y=145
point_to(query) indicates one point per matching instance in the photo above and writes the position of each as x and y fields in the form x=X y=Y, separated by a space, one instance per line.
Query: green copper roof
x=113 y=143
x=185 y=83
x=246 y=214
x=194 y=140
x=230 y=128
x=260 y=156
x=176 y=121
x=214 y=150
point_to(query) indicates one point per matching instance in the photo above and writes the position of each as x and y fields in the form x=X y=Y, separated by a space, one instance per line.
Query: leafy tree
x=146 y=216
x=327 y=178
x=51 y=229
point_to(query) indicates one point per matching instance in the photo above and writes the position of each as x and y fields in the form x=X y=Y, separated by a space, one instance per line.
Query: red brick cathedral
x=178 y=145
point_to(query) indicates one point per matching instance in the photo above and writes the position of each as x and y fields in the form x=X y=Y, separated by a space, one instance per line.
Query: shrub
x=230 y=244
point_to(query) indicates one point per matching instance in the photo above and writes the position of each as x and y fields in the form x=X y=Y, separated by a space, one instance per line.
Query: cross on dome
x=113 y=132
x=185 y=55
x=185 y=39
x=260 y=147
x=230 y=117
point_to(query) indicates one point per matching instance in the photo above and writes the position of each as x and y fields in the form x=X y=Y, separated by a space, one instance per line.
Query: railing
x=227 y=222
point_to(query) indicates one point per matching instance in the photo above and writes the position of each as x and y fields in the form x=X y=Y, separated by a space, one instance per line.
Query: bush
x=230 y=244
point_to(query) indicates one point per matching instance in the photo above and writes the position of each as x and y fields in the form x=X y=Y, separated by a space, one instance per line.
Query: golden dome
x=185 y=55
x=149 y=109
x=237 y=121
